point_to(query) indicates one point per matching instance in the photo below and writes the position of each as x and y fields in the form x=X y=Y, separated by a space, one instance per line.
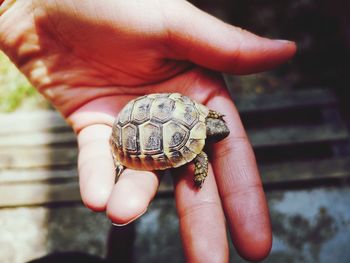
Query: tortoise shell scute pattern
x=158 y=130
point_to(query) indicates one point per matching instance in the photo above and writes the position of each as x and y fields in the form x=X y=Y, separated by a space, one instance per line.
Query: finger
x=95 y=165
x=240 y=186
x=235 y=169
x=131 y=196
x=205 y=40
x=202 y=222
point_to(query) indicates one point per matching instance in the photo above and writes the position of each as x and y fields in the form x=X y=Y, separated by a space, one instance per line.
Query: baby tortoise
x=165 y=130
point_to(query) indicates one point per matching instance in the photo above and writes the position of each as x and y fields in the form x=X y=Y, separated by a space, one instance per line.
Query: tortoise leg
x=201 y=169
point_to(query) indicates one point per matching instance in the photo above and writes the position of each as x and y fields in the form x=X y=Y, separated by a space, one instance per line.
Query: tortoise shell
x=159 y=131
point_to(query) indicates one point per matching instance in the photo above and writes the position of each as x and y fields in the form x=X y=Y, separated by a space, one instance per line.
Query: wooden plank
x=259 y=138
x=285 y=100
x=282 y=136
x=25 y=153
x=51 y=120
x=332 y=116
x=38 y=139
x=20 y=122
x=37 y=157
x=316 y=170
x=37 y=193
x=10 y=176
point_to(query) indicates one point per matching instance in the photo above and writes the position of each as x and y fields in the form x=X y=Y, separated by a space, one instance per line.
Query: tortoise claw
x=118 y=171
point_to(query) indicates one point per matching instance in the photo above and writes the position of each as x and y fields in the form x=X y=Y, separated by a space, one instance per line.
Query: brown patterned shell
x=159 y=131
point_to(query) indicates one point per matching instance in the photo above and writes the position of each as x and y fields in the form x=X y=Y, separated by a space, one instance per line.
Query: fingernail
x=284 y=41
x=132 y=220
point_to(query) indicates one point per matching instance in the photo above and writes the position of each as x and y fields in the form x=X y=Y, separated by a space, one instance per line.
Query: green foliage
x=15 y=90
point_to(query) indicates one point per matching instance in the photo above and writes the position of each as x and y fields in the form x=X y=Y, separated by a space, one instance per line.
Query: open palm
x=90 y=57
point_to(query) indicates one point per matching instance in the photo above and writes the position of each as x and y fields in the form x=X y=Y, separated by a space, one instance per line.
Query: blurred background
x=297 y=118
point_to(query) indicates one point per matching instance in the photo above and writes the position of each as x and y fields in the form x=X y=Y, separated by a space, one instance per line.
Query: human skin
x=88 y=58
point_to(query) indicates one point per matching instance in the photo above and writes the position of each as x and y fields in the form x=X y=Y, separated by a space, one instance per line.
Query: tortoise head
x=216 y=129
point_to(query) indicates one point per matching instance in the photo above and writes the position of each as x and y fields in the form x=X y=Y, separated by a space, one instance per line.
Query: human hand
x=90 y=57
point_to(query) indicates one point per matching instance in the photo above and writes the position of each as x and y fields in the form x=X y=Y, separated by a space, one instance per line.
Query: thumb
x=205 y=40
